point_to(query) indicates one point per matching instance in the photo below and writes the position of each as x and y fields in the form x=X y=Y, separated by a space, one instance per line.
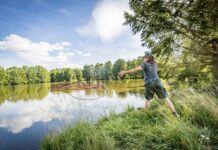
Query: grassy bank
x=156 y=128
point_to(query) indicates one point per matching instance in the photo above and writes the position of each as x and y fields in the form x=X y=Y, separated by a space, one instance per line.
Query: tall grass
x=82 y=136
x=156 y=128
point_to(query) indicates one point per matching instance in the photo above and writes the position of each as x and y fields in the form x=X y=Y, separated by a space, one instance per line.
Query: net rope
x=81 y=86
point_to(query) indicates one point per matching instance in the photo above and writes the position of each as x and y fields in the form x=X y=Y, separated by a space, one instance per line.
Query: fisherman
x=152 y=82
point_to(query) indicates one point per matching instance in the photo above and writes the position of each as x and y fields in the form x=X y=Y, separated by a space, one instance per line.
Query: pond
x=29 y=112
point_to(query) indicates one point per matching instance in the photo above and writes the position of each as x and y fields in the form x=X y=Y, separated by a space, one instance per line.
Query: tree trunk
x=215 y=61
x=215 y=68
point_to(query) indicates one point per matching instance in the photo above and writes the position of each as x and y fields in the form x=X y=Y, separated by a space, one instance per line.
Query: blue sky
x=65 y=33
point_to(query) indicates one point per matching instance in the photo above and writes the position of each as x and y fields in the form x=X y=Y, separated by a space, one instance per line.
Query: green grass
x=156 y=128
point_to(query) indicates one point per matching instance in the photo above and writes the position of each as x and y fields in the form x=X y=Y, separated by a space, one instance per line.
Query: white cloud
x=86 y=54
x=79 y=52
x=66 y=44
x=63 y=56
x=107 y=20
x=38 y=53
x=107 y=25
x=20 y=44
x=83 y=53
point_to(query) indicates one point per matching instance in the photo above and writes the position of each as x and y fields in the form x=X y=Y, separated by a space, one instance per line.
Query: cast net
x=81 y=90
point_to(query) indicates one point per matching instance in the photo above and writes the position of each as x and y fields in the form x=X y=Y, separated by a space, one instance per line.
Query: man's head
x=148 y=57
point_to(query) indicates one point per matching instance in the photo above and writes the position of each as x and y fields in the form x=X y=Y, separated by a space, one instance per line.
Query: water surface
x=29 y=112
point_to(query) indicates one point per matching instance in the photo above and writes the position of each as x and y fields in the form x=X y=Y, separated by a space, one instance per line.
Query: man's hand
x=121 y=74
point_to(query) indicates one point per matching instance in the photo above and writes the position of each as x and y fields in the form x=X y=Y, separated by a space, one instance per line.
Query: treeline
x=39 y=74
x=98 y=71
x=66 y=74
x=108 y=71
x=24 y=75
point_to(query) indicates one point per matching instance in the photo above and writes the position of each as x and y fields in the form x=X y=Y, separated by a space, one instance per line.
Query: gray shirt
x=150 y=72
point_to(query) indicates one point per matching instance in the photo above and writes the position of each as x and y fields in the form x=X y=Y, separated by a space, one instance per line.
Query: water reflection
x=40 y=91
x=23 y=92
x=55 y=103
x=36 y=109
x=120 y=88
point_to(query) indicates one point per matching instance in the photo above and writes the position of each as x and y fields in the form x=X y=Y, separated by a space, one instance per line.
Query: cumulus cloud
x=79 y=52
x=86 y=54
x=107 y=20
x=63 y=56
x=83 y=53
x=106 y=24
x=20 y=44
x=38 y=53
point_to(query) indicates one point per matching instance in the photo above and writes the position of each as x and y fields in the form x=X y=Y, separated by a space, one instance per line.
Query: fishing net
x=81 y=90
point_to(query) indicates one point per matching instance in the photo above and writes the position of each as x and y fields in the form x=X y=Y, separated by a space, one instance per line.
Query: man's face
x=145 y=59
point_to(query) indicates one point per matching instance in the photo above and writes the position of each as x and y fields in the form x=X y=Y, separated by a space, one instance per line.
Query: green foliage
x=16 y=76
x=98 y=71
x=78 y=74
x=119 y=65
x=108 y=71
x=156 y=128
x=132 y=64
x=88 y=72
x=64 y=74
x=31 y=74
x=166 y=26
x=24 y=75
x=68 y=74
x=184 y=71
x=3 y=76
x=42 y=75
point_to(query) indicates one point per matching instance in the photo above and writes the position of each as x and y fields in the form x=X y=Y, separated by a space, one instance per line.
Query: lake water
x=29 y=112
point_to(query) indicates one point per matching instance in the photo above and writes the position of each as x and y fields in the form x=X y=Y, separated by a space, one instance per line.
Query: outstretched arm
x=133 y=70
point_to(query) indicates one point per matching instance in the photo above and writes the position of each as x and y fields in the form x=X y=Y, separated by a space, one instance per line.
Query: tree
x=165 y=27
x=131 y=64
x=53 y=75
x=31 y=75
x=22 y=75
x=138 y=62
x=88 y=72
x=3 y=76
x=68 y=74
x=119 y=65
x=42 y=75
x=98 y=71
x=108 y=70
x=78 y=74
x=60 y=75
x=16 y=76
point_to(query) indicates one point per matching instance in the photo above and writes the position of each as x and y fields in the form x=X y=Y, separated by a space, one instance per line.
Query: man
x=152 y=82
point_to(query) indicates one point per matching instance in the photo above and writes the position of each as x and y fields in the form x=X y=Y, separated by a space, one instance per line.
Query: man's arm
x=133 y=70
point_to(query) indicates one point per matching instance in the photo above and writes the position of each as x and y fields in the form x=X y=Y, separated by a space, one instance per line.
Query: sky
x=65 y=33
